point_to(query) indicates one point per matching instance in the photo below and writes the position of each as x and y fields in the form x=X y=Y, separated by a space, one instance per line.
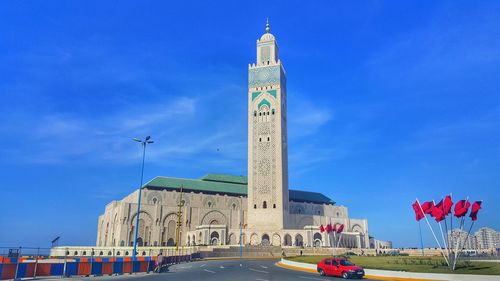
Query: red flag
x=461 y=208
x=427 y=207
x=475 y=208
x=340 y=229
x=447 y=204
x=328 y=228
x=334 y=227
x=437 y=212
x=321 y=229
x=418 y=212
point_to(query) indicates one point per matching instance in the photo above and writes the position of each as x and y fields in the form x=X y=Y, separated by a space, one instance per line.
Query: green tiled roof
x=225 y=178
x=227 y=184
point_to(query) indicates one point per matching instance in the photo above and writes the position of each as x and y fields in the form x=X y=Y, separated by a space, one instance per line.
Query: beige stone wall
x=220 y=215
x=158 y=218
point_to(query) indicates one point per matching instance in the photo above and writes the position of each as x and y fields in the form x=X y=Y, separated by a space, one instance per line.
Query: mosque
x=217 y=209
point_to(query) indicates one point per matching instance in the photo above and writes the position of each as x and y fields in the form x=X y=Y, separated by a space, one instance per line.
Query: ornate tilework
x=255 y=95
x=263 y=76
x=272 y=93
x=264 y=102
x=265 y=53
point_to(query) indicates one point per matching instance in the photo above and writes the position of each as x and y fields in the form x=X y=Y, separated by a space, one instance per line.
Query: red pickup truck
x=340 y=267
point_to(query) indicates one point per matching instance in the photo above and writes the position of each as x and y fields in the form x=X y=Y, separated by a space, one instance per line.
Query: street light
x=144 y=142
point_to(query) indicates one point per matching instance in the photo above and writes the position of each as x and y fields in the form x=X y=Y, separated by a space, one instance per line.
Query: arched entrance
x=276 y=240
x=317 y=240
x=214 y=238
x=265 y=240
x=299 y=241
x=139 y=242
x=288 y=240
x=170 y=242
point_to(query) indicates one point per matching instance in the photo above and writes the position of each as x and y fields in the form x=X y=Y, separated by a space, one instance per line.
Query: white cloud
x=305 y=117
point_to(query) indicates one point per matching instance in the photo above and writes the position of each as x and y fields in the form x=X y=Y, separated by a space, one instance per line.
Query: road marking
x=209 y=271
x=185 y=267
x=256 y=270
x=263 y=266
x=258 y=279
x=203 y=265
x=310 y=278
x=240 y=265
x=221 y=266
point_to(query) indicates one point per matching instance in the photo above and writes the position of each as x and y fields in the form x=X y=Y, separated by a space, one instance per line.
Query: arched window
x=272 y=111
x=264 y=205
x=255 y=206
x=118 y=253
x=260 y=139
x=268 y=138
x=274 y=206
x=155 y=200
x=255 y=113
x=260 y=113
x=234 y=206
x=209 y=204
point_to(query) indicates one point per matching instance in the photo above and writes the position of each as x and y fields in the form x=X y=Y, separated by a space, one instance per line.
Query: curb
x=303 y=269
x=280 y=264
x=238 y=258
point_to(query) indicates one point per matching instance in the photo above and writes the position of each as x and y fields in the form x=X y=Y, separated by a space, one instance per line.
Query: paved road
x=219 y=270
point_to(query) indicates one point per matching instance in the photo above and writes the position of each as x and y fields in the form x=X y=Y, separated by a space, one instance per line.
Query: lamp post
x=144 y=142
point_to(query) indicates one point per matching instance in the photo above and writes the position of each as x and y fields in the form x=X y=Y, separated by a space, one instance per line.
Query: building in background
x=219 y=209
x=484 y=238
x=380 y=244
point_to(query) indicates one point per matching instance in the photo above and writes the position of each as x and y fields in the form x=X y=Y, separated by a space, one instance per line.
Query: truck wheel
x=345 y=275
x=321 y=272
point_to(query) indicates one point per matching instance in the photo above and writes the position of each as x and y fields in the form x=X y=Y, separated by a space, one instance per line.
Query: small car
x=340 y=267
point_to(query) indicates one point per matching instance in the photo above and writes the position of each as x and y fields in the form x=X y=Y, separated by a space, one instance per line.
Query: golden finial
x=268 y=27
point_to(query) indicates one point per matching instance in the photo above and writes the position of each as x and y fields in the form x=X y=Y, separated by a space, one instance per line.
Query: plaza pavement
x=219 y=270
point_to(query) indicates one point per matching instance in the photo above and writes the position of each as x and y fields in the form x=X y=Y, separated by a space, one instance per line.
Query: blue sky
x=388 y=101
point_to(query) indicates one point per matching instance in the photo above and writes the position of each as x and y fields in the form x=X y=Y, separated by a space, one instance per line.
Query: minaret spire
x=268 y=27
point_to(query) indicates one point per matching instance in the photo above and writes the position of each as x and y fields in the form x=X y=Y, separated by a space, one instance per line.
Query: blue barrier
x=136 y=266
x=21 y=270
x=118 y=267
x=57 y=269
x=71 y=269
x=96 y=268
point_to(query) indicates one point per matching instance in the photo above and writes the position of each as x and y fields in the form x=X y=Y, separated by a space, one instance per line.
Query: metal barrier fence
x=26 y=267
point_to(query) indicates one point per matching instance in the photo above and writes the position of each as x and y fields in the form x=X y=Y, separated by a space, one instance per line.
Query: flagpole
x=433 y=234
x=421 y=240
x=461 y=229
x=463 y=247
x=458 y=239
x=441 y=229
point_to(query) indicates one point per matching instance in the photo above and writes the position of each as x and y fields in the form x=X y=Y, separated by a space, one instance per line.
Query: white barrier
x=409 y=275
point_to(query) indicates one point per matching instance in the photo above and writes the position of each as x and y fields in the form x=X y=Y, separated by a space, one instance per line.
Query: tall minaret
x=267 y=139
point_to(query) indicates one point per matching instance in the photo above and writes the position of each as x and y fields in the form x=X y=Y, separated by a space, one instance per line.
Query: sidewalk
x=397 y=275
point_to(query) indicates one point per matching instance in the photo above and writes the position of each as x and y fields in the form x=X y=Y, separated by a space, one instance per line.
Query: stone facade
x=214 y=219
x=224 y=210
